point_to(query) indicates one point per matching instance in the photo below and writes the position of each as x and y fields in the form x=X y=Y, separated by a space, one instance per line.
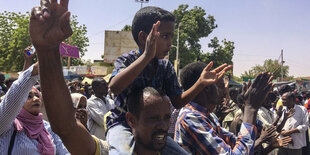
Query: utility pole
x=142 y=1
x=282 y=62
x=177 y=60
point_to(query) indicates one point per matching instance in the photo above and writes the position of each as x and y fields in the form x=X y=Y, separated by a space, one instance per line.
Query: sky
x=260 y=29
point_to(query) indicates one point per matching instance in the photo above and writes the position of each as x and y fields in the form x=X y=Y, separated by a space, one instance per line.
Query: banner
x=69 y=51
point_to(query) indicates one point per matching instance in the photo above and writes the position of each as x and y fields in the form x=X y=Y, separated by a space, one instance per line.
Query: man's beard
x=149 y=145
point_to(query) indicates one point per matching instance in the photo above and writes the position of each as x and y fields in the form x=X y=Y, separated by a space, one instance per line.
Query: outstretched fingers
x=220 y=68
x=209 y=66
x=65 y=24
x=64 y=3
x=45 y=9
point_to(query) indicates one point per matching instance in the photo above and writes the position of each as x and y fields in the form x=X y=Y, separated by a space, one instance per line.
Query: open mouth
x=36 y=105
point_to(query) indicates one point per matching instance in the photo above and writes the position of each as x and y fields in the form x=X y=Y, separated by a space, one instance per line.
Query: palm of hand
x=209 y=77
x=53 y=30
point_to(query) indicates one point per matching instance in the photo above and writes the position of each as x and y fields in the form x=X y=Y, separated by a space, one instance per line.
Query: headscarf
x=76 y=97
x=34 y=128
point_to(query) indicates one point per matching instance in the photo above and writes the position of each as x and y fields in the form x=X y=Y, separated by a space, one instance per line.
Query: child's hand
x=208 y=77
x=151 y=40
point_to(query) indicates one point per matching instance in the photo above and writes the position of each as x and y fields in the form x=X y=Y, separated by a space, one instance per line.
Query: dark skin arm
x=49 y=26
x=287 y=115
x=276 y=143
x=123 y=79
x=254 y=96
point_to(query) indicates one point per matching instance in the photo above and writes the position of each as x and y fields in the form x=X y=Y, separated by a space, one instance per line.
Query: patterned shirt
x=163 y=78
x=199 y=132
x=9 y=109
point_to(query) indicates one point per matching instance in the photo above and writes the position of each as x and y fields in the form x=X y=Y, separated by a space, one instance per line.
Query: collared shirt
x=97 y=108
x=199 y=132
x=9 y=109
x=300 y=121
x=164 y=78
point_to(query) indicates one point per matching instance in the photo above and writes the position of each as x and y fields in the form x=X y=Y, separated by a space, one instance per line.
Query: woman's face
x=33 y=103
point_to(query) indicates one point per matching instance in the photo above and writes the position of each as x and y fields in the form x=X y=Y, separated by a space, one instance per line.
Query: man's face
x=287 y=101
x=101 y=88
x=164 y=41
x=153 y=123
x=211 y=95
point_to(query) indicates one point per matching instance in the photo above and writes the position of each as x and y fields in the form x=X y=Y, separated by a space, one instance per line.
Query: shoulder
x=127 y=57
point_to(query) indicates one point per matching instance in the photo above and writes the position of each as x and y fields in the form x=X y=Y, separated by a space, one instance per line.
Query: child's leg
x=121 y=141
x=173 y=148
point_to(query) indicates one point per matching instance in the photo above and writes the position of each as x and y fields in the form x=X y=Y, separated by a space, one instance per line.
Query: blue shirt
x=199 y=132
x=164 y=78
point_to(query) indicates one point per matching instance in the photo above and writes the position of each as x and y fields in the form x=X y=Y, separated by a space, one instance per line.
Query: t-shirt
x=163 y=78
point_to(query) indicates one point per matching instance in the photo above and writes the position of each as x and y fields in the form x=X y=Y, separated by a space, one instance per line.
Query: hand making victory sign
x=50 y=24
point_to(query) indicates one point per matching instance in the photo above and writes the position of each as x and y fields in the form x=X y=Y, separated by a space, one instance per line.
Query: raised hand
x=267 y=134
x=151 y=40
x=28 y=57
x=280 y=142
x=50 y=24
x=280 y=111
x=256 y=94
x=208 y=77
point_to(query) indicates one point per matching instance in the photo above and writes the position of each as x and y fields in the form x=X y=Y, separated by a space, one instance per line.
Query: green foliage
x=272 y=66
x=15 y=38
x=126 y=28
x=195 y=25
x=220 y=53
x=78 y=39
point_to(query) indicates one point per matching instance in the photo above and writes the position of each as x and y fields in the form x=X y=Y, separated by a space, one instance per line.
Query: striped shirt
x=199 y=132
x=9 y=109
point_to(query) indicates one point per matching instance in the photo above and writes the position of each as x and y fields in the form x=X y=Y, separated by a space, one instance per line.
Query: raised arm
x=49 y=26
x=16 y=97
x=123 y=79
x=206 y=78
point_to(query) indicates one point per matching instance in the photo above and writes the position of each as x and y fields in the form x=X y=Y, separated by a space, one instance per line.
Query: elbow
x=114 y=88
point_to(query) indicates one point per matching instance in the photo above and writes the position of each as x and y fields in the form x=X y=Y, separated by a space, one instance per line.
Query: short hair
x=284 y=89
x=135 y=102
x=9 y=80
x=146 y=17
x=97 y=82
x=290 y=95
x=191 y=73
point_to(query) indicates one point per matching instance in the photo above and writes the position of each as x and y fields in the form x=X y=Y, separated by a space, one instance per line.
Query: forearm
x=15 y=99
x=27 y=63
x=250 y=115
x=187 y=96
x=281 y=125
x=56 y=95
x=276 y=121
x=123 y=79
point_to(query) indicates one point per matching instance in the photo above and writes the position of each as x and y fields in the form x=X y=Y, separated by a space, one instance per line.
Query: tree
x=272 y=66
x=195 y=25
x=126 y=28
x=15 y=38
x=220 y=53
x=78 y=39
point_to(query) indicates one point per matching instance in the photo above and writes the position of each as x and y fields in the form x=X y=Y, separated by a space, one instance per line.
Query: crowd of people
x=143 y=109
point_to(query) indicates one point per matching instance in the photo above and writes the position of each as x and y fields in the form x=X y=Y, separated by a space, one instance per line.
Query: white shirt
x=266 y=116
x=300 y=121
x=97 y=108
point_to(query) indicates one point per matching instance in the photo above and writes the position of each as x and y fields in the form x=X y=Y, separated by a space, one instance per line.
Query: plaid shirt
x=199 y=132
x=164 y=78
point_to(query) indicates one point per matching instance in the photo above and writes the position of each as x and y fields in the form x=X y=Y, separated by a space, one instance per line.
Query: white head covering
x=76 y=99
